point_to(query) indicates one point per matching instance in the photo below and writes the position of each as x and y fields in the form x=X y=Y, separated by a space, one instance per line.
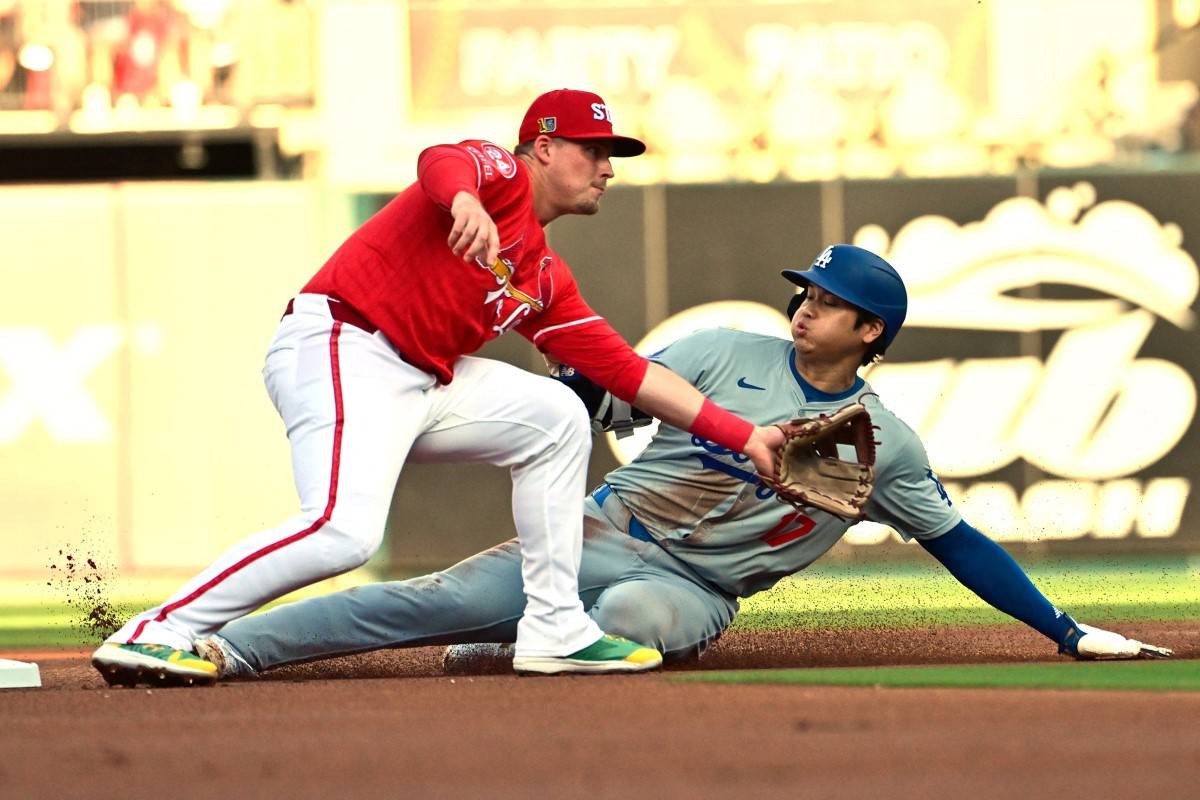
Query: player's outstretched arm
x=599 y=352
x=986 y=569
x=676 y=402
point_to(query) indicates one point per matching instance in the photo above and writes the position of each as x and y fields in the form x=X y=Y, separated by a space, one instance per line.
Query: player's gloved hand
x=608 y=413
x=1089 y=643
x=812 y=470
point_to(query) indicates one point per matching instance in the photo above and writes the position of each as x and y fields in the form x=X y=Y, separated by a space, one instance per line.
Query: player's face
x=825 y=327
x=578 y=173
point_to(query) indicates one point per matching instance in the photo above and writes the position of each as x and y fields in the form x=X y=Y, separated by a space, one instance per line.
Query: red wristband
x=721 y=427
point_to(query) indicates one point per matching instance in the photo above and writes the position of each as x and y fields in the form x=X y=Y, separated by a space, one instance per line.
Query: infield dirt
x=389 y=724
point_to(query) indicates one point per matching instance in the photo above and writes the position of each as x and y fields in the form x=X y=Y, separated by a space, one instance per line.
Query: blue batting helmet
x=859 y=277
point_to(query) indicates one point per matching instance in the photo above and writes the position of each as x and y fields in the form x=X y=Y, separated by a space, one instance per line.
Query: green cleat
x=606 y=654
x=151 y=664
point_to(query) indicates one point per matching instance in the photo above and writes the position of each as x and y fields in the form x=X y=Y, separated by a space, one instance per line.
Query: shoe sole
x=548 y=665
x=123 y=668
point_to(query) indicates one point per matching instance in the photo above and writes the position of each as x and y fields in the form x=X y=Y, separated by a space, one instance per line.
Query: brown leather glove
x=811 y=474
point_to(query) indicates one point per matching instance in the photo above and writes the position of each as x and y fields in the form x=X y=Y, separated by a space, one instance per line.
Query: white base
x=18 y=675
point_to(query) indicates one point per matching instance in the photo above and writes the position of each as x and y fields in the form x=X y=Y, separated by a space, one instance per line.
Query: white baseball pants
x=355 y=412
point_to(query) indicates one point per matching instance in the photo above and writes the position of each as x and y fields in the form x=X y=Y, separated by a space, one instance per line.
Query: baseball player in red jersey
x=369 y=369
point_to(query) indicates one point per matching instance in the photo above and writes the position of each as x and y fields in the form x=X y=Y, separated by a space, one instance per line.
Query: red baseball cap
x=575 y=114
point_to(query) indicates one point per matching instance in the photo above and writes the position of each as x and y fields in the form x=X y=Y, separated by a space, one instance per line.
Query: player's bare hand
x=474 y=235
x=761 y=448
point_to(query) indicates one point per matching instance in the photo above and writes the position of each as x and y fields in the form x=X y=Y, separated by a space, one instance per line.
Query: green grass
x=1161 y=676
x=827 y=596
x=54 y=626
x=918 y=594
x=37 y=614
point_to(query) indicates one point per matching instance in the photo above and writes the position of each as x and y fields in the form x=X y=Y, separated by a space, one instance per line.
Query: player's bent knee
x=351 y=546
x=566 y=410
x=630 y=613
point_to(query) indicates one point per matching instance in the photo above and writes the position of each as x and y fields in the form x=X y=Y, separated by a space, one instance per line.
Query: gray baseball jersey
x=705 y=505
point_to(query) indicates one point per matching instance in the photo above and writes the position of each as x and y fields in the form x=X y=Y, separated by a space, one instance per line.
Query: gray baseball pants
x=629 y=586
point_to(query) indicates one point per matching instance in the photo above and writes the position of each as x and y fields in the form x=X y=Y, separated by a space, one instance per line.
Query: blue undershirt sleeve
x=987 y=570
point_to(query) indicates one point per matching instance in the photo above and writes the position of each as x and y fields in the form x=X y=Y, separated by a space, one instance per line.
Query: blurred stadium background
x=171 y=171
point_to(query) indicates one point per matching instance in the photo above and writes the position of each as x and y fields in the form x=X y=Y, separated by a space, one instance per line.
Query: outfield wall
x=133 y=423
x=1049 y=361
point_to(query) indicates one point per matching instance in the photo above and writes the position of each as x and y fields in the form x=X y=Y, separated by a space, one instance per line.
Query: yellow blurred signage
x=735 y=79
x=487 y=55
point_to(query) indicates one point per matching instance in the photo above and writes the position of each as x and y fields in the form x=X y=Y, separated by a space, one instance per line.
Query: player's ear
x=542 y=146
x=872 y=330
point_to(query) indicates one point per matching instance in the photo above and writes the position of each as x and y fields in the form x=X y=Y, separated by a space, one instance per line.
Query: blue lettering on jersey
x=717 y=450
x=720 y=466
x=762 y=492
x=743 y=384
x=941 y=490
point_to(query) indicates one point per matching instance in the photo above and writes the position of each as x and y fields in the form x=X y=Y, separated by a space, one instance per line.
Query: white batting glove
x=1099 y=644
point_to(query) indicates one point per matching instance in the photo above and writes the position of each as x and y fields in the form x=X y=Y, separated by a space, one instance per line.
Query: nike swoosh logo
x=742 y=383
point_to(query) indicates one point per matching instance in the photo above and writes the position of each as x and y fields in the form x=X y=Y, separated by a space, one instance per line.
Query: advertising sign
x=716 y=89
x=1056 y=399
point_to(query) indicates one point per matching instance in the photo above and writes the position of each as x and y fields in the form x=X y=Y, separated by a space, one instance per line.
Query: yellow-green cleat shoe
x=151 y=664
x=606 y=654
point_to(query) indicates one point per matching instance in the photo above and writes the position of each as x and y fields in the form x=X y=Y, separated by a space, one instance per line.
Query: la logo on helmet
x=824 y=259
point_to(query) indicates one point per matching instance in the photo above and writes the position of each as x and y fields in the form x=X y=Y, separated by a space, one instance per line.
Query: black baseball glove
x=608 y=413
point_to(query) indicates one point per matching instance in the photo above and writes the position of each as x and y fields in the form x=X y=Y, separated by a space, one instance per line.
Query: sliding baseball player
x=675 y=538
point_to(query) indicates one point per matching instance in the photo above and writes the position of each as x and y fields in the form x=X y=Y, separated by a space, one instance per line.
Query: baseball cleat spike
x=117 y=678
x=113 y=676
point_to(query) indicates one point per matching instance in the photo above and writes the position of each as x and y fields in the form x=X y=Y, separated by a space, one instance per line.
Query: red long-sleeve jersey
x=398 y=271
